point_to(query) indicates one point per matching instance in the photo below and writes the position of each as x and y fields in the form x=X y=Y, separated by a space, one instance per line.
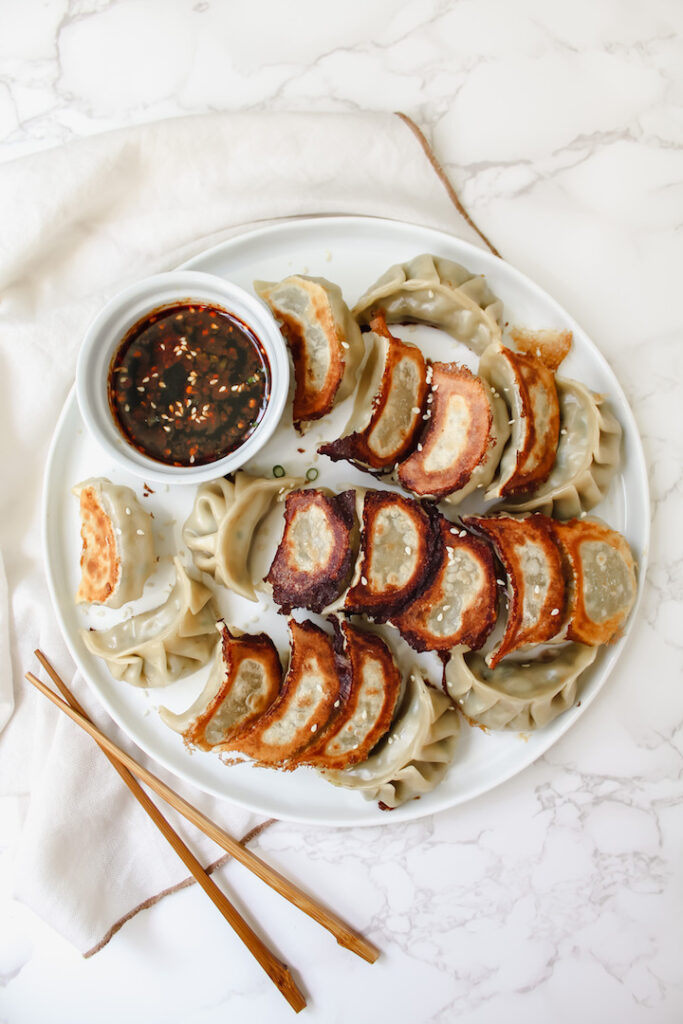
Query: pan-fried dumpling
x=527 y=387
x=602 y=579
x=317 y=554
x=388 y=407
x=587 y=455
x=220 y=529
x=315 y=687
x=400 y=548
x=550 y=346
x=244 y=681
x=514 y=695
x=536 y=580
x=436 y=291
x=414 y=755
x=462 y=441
x=118 y=544
x=459 y=606
x=159 y=646
x=324 y=339
x=369 y=708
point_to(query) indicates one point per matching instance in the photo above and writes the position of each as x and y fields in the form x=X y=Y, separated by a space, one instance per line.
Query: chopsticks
x=128 y=767
x=276 y=971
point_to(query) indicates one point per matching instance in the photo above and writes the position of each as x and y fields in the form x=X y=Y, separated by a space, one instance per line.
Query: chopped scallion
x=278 y=471
x=312 y=474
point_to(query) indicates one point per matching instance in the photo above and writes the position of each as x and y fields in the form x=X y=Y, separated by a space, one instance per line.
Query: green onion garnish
x=312 y=474
x=278 y=471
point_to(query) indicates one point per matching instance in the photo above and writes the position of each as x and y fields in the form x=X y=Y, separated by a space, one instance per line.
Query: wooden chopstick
x=345 y=935
x=276 y=971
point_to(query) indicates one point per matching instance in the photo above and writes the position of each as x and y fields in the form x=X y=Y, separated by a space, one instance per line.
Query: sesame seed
x=415 y=409
x=511 y=422
x=501 y=583
x=337 y=703
x=140 y=389
x=463 y=533
x=140 y=533
x=364 y=581
x=409 y=551
x=454 y=530
x=128 y=512
x=555 y=611
x=537 y=589
x=314 y=727
x=419 y=447
x=439 y=617
x=345 y=344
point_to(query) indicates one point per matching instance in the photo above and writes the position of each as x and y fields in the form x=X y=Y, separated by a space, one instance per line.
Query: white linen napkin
x=78 y=224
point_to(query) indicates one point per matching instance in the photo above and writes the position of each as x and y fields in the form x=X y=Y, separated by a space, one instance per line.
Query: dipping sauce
x=188 y=384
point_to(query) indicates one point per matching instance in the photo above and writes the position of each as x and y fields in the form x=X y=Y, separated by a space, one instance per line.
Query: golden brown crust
x=368 y=711
x=235 y=650
x=476 y=616
x=312 y=401
x=592 y=579
x=306 y=703
x=550 y=346
x=456 y=393
x=357 y=447
x=315 y=558
x=541 y=410
x=537 y=587
x=400 y=548
x=100 y=561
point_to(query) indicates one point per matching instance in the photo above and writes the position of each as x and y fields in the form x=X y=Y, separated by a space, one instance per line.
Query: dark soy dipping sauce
x=188 y=384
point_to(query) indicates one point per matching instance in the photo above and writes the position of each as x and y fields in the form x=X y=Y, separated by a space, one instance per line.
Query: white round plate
x=352 y=252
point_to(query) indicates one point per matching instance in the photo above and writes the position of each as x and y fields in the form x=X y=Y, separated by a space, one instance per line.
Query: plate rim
x=411 y=811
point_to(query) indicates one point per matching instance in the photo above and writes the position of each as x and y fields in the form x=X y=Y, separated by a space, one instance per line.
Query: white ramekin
x=129 y=307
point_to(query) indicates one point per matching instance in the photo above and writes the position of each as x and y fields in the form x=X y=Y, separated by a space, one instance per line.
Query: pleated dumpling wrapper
x=118 y=544
x=587 y=456
x=536 y=589
x=415 y=754
x=463 y=439
x=220 y=529
x=435 y=291
x=317 y=553
x=323 y=338
x=244 y=681
x=366 y=713
x=527 y=386
x=389 y=404
x=522 y=696
x=163 y=644
x=459 y=606
x=602 y=585
x=315 y=687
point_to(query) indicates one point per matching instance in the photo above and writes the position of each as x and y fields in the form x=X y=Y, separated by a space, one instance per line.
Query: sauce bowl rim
x=108 y=329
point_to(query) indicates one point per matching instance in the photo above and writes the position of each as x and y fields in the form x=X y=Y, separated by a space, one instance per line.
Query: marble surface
x=558 y=895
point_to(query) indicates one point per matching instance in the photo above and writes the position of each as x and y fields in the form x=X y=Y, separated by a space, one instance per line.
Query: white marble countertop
x=558 y=895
